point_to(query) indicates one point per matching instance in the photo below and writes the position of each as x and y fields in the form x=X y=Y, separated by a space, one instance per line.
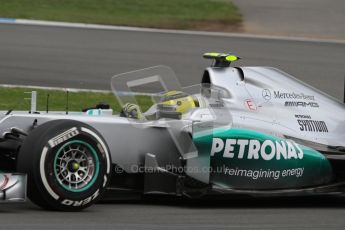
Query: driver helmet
x=176 y=102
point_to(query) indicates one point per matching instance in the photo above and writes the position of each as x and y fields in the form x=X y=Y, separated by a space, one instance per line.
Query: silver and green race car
x=244 y=130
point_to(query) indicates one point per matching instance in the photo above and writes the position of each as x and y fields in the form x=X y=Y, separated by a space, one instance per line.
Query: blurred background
x=305 y=38
x=302 y=37
x=307 y=18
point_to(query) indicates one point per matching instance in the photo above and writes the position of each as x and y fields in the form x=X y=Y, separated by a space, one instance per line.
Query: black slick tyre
x=68 y=164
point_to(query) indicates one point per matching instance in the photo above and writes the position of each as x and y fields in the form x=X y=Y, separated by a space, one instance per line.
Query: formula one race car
x=244 y=130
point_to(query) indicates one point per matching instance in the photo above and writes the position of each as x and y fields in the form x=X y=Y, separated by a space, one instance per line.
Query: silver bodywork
x=128 y=143
x=278 y=101
x=259 y=98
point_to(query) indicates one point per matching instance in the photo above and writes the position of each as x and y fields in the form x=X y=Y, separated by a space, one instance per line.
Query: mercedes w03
x=244 y=130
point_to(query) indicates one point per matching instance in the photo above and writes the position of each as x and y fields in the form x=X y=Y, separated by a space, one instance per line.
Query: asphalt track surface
x=243 y=213
x=86 y=58
x=82 y=58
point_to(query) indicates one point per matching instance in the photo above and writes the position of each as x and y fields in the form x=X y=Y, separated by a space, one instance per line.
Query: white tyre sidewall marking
x=102 y=144
x=105 y=180
x=44 y=155
x=43 y=174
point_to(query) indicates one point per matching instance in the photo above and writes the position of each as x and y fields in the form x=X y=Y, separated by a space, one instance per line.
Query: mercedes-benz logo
x=266 y=94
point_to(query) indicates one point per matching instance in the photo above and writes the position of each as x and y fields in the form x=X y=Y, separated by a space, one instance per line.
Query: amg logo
x=313 y=126
x=301 y=104
x=63 y=137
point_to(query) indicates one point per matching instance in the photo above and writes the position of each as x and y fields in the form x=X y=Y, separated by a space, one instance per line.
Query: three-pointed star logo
x=266 y=94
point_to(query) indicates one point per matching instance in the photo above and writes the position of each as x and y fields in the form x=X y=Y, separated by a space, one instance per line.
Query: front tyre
x=68 y=165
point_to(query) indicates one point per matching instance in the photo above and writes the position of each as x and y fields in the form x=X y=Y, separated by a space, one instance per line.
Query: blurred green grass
x=14 y=98
x=176 y=14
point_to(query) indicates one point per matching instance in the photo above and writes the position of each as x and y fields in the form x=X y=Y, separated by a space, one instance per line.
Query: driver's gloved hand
x=132 y=111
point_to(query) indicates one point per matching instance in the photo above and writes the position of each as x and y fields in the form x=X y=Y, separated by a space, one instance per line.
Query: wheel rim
x=76 y=166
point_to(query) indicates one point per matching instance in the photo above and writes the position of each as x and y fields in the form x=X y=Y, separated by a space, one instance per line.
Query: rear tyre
x=68 y=165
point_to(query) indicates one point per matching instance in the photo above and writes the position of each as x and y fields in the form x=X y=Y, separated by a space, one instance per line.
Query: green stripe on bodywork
x=316 y=168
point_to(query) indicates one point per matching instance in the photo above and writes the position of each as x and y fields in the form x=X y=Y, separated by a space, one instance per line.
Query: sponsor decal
x=292 y=95
x=254 y=149
x=306 y=124
x=301 y=104
x=266 y=94
x=303 y=116
x=217 y=105
x=312 y=126
x=264 y=173
x=80 y=202
x=250 y=104
x=63 y=137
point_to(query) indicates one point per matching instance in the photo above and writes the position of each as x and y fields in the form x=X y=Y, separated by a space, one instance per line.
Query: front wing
x=12 y=187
